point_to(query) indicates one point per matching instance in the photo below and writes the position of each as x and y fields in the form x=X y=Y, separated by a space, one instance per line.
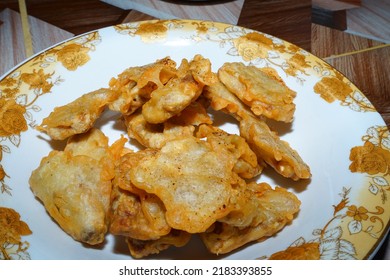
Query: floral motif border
x=18 y=93
x=21 y=88
x=336 y=242
x=259 y=49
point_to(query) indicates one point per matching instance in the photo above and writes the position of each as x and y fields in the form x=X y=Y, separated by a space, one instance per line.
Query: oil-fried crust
x=78 y=116
x=266 y=144
x=134 y=85
x=275 y=152
x=261 y=89
x=275 y=209
x=191 y=177
x=180 y=91
x=75 y=188
x=139 y=248
x=193 y=181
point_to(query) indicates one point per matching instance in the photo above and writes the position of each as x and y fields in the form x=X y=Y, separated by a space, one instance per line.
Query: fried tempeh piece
x=180 y=91
x=135 y=213
x=156 y=135
x=266 y=144
x=135 y=84
x=125 y=163
x=260 y=88
x=78 y=116
x=137 y=216
x=276 y=208
x=75 y=188
x=221 y=99
x=246 y=165
x=274 y=151
x=140 y=248
x=181 y=175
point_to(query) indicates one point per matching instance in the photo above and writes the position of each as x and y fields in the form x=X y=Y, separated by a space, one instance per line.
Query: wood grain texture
x=327 y=42
x=372 y=20
x=335 y=5
x=221 y=11
x=134 y=15
x=74 y=16
x=12 y=49
x=370 y=72
x=288 y=20
x=367 y=68
x=355 y=2
x=332 y=19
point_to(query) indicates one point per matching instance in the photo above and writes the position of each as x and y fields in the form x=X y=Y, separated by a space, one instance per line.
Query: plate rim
x=373 y=250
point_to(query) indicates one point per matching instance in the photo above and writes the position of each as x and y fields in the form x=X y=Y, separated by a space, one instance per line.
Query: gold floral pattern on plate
x=11 y=230
x=373 y=157
x=19 y=92
x=262 y=50
x=334 y=86
x=72 y=54
x=333 y=241
x=155 y=31
x=350 y=220
x=358 y=217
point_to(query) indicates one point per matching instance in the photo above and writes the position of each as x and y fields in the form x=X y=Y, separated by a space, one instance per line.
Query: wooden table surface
x=365 y=62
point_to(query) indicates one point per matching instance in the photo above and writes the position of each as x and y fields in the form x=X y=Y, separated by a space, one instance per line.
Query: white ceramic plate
x=345 y=212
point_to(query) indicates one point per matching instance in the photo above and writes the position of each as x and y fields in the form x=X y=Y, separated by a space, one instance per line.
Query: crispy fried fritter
x=140 y=249
x=180 y=91
x=137 y=216
x=200 y=68
x=193 y=181
x=92 y=143
x=75 y=186
x=266 y=144
x=127 y=162
x=135 y=213
x=276 y=208
x=179 y=184
x=244 y=205
x=156 y=135
x=134 y=85
x=274 y=151
x=78 y=116
x=260 y=88
x=194 y=114
x=246 y=165
x=171 y=99
x=118 y=149
x=221 y=99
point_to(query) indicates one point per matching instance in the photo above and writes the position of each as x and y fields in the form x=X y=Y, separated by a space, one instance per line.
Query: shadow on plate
x=278 y=180
x=193 y=250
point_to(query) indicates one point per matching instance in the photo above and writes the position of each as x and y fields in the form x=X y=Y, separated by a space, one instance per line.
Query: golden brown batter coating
x=261 y=89
x=78 y=116
x=75 y=187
